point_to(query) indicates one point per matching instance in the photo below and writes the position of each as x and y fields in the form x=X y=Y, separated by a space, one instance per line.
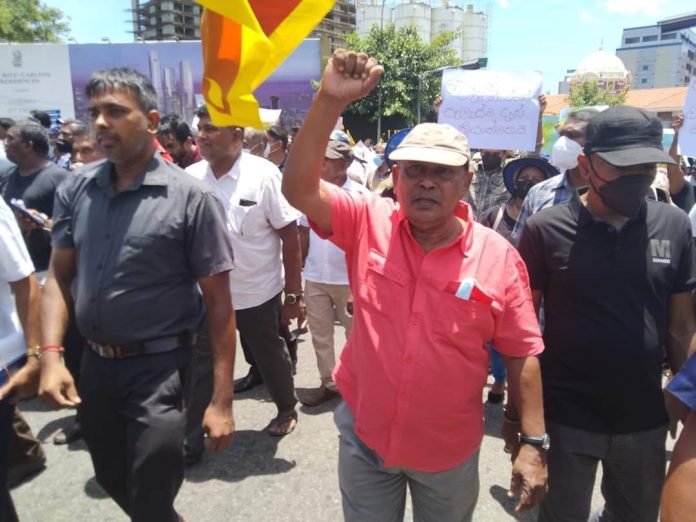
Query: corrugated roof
x=654 y=100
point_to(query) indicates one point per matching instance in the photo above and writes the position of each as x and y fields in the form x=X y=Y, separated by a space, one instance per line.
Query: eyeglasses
x=418 y=171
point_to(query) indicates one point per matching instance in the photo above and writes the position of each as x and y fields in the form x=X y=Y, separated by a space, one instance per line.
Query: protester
x=136 y=243
x=16 y=277
x=327 y=290
x=34 y=181
x=564 y=156
x=432 y=287
x=678 y=500
x=255 y=142
x=277 y=150
x=615 y=272
x=176 y=137
x=263 y=232
x=519 y=176
x=62 y=147
x=5 y=124
x=680 y=191
x=85 y=149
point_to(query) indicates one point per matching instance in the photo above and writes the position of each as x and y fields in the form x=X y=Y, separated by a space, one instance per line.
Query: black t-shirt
x=506 y=224
x=37 y=192
x=606 y=296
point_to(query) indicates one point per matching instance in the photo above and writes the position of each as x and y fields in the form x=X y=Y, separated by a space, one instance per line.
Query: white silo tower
x=414 y=13
x=449 y=18
x=372 y=13
x=475 y=34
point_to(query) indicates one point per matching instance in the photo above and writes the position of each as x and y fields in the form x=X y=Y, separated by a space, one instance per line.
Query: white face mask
x=267 y=150
x=565 y=153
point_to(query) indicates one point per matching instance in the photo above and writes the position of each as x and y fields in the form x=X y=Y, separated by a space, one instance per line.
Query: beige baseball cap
x=434 y=143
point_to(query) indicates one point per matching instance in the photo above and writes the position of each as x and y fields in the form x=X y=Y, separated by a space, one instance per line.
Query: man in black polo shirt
x=134 y=237
x=615 y=273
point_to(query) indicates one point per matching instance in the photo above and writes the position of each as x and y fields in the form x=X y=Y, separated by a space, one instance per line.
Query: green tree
x=588 y=93
x=405 y=57
x=31 y=21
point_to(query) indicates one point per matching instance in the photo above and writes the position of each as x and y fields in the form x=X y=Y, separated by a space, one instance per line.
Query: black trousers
x=7 y=510
x=133 y=419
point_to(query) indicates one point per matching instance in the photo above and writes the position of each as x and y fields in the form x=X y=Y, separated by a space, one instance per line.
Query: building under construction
x=166 y=19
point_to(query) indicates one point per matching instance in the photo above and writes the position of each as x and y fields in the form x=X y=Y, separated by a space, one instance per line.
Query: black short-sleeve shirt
x=606 y=296
x=37 y=191
x=140 y=252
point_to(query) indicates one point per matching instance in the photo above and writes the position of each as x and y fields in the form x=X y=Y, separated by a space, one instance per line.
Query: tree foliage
x=31 y=21
x=588 y=94
x=405 y=57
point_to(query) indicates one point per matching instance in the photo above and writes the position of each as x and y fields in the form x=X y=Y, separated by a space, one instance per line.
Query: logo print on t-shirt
x=661 y=251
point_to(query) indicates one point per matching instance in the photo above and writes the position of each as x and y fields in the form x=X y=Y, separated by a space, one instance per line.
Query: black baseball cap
x=624 y=136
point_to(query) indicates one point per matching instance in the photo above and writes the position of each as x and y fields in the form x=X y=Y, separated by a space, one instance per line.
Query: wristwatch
x=293 y=298
x=543 y=442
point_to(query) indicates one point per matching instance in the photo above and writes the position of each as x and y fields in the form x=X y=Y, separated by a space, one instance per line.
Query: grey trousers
x=633 y=467
x=372 y=492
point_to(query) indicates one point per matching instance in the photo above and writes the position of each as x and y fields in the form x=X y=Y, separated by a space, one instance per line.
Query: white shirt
x=15 y=264
x=256 y=209
x=326 y=263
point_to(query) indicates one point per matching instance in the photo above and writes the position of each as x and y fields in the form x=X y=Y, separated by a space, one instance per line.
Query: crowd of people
x=569 y=279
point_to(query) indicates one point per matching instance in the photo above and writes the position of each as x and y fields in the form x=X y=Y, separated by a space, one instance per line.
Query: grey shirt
x=140 y=252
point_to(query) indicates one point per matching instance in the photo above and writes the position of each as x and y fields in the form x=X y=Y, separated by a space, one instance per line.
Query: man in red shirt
x=431 y=287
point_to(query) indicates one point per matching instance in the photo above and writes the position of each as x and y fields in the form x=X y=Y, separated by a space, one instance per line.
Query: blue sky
x=549 y=36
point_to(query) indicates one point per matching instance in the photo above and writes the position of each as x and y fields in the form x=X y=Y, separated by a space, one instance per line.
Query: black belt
x=160 y=345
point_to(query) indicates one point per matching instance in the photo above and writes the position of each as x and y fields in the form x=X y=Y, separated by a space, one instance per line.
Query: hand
x=349 y=306
x=57 y=386
x=349 y=76
x=542 y=105
x=293 y=311
x=218 y=425
x=510 y=431
x=529 y=477
x=28 y=224
x=24 y=383
x=436 y=104
x=677 y=122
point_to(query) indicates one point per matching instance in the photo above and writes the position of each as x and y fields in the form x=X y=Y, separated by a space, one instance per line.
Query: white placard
x=494 y=109
x=35 y=76
x=687 y=135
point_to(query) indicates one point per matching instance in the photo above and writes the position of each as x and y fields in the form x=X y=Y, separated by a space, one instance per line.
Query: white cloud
x=585 y=15
x=631 y=7
x=504 y=3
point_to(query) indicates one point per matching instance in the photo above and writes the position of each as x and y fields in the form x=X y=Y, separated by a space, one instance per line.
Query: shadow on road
x=499 y=493
x=94 y=490
x=252 y=453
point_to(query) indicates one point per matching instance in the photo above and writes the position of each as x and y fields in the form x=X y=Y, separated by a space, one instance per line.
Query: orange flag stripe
x=243 y=44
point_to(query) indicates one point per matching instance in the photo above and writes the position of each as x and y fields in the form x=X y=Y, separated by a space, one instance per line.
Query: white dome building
x=606 y=69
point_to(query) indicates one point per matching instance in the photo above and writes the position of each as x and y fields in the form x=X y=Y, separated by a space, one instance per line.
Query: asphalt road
x=260 y=478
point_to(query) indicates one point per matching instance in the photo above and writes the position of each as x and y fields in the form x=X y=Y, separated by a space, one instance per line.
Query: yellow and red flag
x=243 y=43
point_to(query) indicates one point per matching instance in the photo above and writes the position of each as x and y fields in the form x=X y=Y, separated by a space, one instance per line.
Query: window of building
x=644 y=80
x=646 y=67
x=669 y=36
x=632 y=40
x=650 y=38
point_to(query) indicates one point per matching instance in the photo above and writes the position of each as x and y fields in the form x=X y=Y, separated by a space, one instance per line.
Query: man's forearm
x=292 y=258
x=28 y=301
x=55 y=311
x=524 y=382
x=678 y=348
x=221 y=324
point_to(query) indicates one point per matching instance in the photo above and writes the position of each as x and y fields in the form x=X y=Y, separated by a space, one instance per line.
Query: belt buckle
x=111 y=351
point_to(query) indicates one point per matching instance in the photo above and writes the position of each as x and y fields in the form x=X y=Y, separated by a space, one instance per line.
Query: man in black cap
x=616 y=273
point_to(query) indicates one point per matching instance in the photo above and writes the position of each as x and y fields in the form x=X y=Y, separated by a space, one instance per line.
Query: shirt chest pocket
x=247 y=215
x=463 y=323
x=384 y=286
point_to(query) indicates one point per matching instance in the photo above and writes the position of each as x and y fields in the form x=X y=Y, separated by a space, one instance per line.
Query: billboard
x=52 y=77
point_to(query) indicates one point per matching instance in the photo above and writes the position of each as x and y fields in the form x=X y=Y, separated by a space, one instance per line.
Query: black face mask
x=521 y=188
x=64 y=146
x=491 y=162
x=624 y=195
